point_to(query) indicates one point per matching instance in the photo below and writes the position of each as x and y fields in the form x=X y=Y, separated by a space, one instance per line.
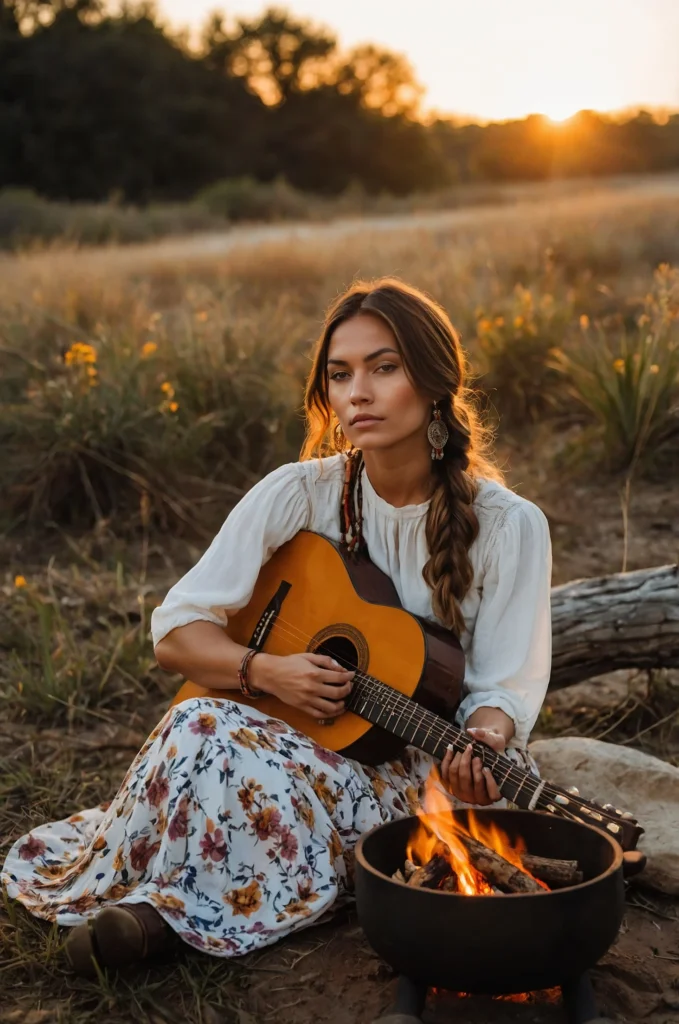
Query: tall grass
x=134 y=379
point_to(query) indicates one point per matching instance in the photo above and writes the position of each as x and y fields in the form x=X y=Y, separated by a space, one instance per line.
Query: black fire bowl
x=493 y=944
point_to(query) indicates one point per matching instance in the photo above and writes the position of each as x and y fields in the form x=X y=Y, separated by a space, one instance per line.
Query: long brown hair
x=437 y=367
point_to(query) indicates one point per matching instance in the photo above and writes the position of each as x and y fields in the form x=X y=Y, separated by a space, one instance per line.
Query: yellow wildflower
x=148 y=349
x=518 y=321
x=173 y=406
x=653 y=368
x=91 y=371
x=584 y=321
x=19 y=581
x=618 y=365
x=201 y=316
x=499 y=321
x=80 y=353
x=167 y=389
x=485 y=325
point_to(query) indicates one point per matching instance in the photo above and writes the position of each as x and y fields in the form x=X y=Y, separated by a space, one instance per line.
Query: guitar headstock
x=620 y=825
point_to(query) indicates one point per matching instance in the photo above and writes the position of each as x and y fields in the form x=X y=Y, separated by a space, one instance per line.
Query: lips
x=365 y=419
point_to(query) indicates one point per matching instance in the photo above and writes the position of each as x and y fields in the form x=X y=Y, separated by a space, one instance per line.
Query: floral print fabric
x=234 y=826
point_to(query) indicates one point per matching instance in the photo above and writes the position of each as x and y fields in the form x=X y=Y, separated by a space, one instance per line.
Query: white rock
x=630 y=780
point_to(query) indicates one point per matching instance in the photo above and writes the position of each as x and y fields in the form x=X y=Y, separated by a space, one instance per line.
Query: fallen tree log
x=626 y=620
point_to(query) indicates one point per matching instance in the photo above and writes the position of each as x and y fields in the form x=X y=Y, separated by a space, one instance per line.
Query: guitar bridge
x=268 y=617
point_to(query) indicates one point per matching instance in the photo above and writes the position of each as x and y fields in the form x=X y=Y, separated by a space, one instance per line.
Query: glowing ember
x=438 y=826
x=545 y=995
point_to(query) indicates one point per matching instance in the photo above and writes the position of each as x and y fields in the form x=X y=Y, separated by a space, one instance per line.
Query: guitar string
x=524 y=777
x=513 y=773
x=520 y=777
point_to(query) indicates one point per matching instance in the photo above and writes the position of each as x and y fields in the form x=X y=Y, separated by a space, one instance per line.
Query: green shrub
x=629 y=383
x=26 y=219
x=114 y=424
x=245 y=199
x=511 y=349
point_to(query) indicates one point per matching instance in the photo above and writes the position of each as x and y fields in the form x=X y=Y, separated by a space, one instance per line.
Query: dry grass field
x=143 y=390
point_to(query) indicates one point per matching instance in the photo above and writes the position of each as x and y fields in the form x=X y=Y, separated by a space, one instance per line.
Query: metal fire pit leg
x=579 y=1002
x=410 y=999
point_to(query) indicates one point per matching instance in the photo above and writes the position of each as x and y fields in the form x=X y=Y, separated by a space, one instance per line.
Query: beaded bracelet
x=243 y=672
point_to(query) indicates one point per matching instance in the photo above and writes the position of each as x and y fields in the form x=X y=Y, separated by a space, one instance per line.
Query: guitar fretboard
x=391 y=710
x=388 y=708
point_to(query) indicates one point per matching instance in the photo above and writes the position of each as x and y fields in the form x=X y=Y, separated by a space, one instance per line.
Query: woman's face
x=373 y=398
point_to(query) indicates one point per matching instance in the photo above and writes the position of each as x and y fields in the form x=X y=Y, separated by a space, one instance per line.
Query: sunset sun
x=558 y=113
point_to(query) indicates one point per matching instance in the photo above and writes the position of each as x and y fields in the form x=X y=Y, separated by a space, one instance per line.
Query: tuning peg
x=574 y=791
x=626 y=815
x=609 y=807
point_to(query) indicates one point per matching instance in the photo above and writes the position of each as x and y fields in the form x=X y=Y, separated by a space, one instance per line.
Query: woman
x=231 y=829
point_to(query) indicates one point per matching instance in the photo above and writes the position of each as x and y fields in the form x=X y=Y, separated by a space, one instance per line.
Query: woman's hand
x=314 y=683
x=464 y=775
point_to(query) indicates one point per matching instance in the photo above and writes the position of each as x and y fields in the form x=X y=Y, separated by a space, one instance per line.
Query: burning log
x=431 y=874
x=557 y=874
x=498 y=871
x=451 y=859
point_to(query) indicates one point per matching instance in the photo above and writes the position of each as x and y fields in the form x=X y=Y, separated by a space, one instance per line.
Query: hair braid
x=452 y=525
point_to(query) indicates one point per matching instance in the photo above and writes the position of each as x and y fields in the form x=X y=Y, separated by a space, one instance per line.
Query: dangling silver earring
x=437 y=434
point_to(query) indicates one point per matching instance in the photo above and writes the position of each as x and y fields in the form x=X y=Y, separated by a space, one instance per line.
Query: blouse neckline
x=378 y=503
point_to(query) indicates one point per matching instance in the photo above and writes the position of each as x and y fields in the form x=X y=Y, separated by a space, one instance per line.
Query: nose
x=360 y=390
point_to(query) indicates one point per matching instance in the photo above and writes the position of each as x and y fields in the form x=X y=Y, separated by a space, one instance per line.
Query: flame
x=438 y=826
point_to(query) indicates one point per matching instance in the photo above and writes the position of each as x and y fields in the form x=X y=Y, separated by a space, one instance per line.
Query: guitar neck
x=391 y=710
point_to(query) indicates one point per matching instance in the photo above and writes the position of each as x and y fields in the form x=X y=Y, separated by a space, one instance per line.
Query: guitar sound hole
x=342 y=650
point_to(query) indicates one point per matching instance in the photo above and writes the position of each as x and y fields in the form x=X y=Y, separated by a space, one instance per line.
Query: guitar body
x=312 y=596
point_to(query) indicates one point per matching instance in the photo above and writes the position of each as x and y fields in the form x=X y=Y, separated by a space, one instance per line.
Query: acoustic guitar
x=313 y=596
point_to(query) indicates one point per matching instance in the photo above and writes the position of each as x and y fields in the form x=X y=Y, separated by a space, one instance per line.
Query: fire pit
x=493 y=944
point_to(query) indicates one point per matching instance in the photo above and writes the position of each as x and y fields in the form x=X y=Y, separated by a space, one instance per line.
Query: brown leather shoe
x=116 y=937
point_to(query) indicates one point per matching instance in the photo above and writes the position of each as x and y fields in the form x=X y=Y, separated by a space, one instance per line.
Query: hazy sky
x=505 y=58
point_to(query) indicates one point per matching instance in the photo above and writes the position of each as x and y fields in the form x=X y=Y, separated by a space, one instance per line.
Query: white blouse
x=507 y=640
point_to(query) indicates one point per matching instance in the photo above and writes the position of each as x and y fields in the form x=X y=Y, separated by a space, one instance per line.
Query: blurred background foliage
x=269 y=100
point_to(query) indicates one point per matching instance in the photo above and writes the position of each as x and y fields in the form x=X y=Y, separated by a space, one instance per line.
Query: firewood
x=408 y=868
x=495 y=869
x=556 y=873
x=430 y=874
x=398 y=876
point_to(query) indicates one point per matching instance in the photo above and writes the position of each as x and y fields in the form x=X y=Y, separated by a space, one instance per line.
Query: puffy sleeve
x=270 y=514
x=510 y=655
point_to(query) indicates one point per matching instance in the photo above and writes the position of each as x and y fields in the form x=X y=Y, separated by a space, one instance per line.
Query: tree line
x=95 y=104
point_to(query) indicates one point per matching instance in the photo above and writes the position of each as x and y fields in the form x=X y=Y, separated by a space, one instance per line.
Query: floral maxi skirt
x=235 y=827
